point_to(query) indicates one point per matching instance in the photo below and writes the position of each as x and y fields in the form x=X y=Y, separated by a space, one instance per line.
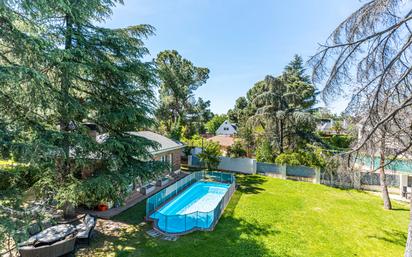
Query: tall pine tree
x=59 y=71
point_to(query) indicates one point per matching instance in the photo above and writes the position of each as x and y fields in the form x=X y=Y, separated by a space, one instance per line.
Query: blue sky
x=240 y=41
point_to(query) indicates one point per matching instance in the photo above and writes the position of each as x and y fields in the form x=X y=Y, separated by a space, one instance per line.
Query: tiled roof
x=165 y=144
x=222 y=140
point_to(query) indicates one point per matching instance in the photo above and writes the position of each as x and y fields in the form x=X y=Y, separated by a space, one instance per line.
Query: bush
x=264 y=152
x=18 y=177
x=236 y=150
x=195 y=141
x=210 y=155
x=293 y=159
x=339 y=141
x=312 y=158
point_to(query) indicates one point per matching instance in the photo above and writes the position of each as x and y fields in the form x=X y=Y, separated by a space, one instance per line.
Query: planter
x=147 y=189
x=102 y=207
x=162 y=182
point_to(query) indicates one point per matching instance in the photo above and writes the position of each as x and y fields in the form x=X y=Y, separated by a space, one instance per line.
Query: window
x=225 y=128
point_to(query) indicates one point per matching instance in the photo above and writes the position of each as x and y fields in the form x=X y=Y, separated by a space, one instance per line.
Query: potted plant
x=102 y=207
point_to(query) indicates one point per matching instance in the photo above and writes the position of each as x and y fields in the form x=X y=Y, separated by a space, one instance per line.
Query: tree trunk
x=385 y=194
x=281 y=137
x=64 y=165
x=408 y=248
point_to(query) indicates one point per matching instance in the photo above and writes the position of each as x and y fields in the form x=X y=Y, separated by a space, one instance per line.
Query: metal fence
x=186 y=223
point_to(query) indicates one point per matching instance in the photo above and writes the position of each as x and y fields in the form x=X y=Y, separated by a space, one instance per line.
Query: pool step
x=156 y=234
x=153 y=233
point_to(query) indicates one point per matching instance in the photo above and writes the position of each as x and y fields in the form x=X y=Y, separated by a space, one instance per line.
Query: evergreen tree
x=59 y=70
x=282 y=106
x=179 y=78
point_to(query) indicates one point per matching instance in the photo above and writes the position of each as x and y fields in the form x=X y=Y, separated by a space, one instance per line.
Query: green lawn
x=272 y=217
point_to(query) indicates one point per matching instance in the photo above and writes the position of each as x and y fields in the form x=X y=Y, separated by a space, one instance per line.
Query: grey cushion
x=53 y=234
x=34 y=229
x=84 y=228
x=28 y=242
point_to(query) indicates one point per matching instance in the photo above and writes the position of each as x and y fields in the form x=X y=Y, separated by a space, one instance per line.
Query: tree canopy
x=280 y=105
x=179 y=78
x=59 y=73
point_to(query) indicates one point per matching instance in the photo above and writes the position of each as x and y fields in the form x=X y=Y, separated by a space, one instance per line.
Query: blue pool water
x=194 y=207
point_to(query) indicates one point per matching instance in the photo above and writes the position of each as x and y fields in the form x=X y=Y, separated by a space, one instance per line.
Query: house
x=227 y=128
x=330 y=126
x=169 y=150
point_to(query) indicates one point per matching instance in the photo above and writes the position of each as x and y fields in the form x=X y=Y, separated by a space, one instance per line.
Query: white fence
x=242 y=165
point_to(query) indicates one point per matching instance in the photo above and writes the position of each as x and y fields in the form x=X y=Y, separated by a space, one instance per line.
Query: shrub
x=339 y=141
x=210 y=155
x=312 y=157
x=18 y=177
x=195 y=141
x=264 y=152
x=236 y=150
x=290 y=159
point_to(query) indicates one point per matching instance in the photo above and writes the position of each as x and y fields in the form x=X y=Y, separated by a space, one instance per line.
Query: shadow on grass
x=393 y=236
x=400 y=209
x=250 y=184
x=232 y=236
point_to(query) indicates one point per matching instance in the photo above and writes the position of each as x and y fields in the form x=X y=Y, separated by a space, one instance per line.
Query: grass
x=272 y=217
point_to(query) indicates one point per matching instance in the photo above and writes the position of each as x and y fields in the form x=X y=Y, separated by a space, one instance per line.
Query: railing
x=158 y=199
x=186 y=223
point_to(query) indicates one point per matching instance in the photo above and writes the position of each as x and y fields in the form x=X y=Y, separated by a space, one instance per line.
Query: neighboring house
x=326 y=126
x=225 y=141
x=227 y=128
x=169 y=150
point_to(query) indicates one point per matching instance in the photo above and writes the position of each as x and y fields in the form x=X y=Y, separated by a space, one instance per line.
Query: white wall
x=195 y=150
x=242 y=165
x=226 y=129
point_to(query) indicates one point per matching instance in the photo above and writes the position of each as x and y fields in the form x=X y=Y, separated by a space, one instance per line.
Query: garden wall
x=242 y=165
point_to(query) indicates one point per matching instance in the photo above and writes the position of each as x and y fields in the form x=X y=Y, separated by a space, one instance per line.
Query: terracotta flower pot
x=102 y=207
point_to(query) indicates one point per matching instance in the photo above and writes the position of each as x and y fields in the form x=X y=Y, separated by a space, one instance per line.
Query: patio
x=134 y=198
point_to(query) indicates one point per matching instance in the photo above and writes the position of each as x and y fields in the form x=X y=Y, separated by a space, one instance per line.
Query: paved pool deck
x=133 y=199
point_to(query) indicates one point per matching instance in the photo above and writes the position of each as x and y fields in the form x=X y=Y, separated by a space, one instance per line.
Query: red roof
x=223 y=140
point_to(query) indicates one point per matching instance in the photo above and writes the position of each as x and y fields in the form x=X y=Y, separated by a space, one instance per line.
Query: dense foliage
x=277 y=111
x=338 y=141
x=210 y=155
x=236 y=150
x=179 y=78
x=62 y=72
x=315 y=158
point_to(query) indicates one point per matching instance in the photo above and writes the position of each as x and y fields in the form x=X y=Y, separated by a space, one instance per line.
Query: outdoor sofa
x=59 y=248
x=81 y=232
x=85 y=226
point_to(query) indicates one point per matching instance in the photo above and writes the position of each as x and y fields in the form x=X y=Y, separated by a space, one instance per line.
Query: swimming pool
x=199 y=206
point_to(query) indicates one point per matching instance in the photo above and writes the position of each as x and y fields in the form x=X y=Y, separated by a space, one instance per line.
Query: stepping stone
x=153 y=233
x=169 y=238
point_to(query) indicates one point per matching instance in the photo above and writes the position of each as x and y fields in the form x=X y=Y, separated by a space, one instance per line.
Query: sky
x=240 y=41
